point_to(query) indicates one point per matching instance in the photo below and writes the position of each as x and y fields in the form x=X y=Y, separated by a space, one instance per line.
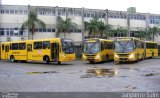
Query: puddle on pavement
x=45 y=72
x=99 y=72
x=152 y=74
x=130 y=87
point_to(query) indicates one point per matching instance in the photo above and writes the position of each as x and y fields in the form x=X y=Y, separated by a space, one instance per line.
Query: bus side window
x=147 y=46
x=2 y=46
x=37 y=45
x=46 y=45
x=22 y=46
x=14 y=46
x=102 y=45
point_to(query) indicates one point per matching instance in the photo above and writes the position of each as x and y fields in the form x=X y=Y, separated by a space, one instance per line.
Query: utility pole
x=56 y=14
x=128 y=22
x=82 y=11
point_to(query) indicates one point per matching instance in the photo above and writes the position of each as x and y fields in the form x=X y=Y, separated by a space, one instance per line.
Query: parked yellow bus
x=151 y=49
x=97 y=50
x=47 y=50
x=128 y=49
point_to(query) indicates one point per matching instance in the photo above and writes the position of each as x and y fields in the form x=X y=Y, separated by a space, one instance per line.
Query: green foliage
x=94 y=26
x=154 y=31
x=32 y=22
x=121 y=31
x=64 y=26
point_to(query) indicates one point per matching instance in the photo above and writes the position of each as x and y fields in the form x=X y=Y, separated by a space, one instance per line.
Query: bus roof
x=151 y=42
x=99 y=39
x=47 y=39
x=129 y=37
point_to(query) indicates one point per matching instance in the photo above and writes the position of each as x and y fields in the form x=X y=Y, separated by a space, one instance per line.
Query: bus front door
x=55 y=51
x=6 y=52
x=29 y=51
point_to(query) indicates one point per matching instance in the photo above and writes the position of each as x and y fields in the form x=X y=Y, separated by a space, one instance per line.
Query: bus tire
x=137 y=60
x=152 y=55
x=91 y=62
x=59 y=62
x=12 y=59
x=143 y=56
x=107 y=58
x=47 y=60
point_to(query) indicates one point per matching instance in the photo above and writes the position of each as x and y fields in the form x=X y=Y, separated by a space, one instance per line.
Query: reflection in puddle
x=99 y=72
x=45 y=72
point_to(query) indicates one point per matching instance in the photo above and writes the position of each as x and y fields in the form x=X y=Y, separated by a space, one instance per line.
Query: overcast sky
x=146 y=6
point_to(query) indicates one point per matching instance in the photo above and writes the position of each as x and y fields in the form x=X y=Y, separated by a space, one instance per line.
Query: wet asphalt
x=79 y=76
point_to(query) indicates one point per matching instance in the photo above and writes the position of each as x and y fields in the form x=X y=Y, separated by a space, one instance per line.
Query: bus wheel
x=47 y=60
x=107 y=58
x=12 y=59
x=59 y=62
x=143 y=56
x=137 y=60
x=152 y=55
x=91 y=62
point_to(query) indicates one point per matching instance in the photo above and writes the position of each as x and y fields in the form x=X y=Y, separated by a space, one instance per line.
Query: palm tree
x=121 y=31
x=142 y=34
x=104 y=29
x=32 y=22
x=154 y=31
x=92 y=26
x=64 y=26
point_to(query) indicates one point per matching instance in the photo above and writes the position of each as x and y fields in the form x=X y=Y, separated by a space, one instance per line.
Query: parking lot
x=79 y=76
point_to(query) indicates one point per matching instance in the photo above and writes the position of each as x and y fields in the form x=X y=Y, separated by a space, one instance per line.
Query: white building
x=12 y=17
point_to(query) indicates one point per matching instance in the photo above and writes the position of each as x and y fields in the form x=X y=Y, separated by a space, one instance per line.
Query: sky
x=144 y=6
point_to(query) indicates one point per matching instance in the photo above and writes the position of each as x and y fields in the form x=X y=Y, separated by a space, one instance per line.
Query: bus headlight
x=97 y=57
x=131 y=55
x=63 y=54
x=116 y=56
x=84 y=56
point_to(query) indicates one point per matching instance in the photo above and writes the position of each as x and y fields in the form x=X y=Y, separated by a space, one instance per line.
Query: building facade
x=13 y=16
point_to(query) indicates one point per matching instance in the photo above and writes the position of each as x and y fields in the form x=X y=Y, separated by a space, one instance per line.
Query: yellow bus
x=47 y=50
x=151 y=49
x=97 y=50
x=128 y=49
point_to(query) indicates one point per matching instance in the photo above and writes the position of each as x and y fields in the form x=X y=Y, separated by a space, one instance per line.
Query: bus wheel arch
x=46 y=59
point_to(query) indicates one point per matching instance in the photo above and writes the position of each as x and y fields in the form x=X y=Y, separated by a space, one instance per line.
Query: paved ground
x=79 y=76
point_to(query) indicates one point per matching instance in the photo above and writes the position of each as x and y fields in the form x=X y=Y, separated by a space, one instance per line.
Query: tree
x=92 y=26
x=122 y=32
x=64 y=26
x=154 y=31
x=32 y=22
x=104 y=29
x=142 y=34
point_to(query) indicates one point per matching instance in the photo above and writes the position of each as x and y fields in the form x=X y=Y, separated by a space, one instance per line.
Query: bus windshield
x=67 y=46
x=91 y=47
x=124 y=46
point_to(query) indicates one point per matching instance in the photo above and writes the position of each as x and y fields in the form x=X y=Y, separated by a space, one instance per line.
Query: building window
x=53 y=30
x=49 y=30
